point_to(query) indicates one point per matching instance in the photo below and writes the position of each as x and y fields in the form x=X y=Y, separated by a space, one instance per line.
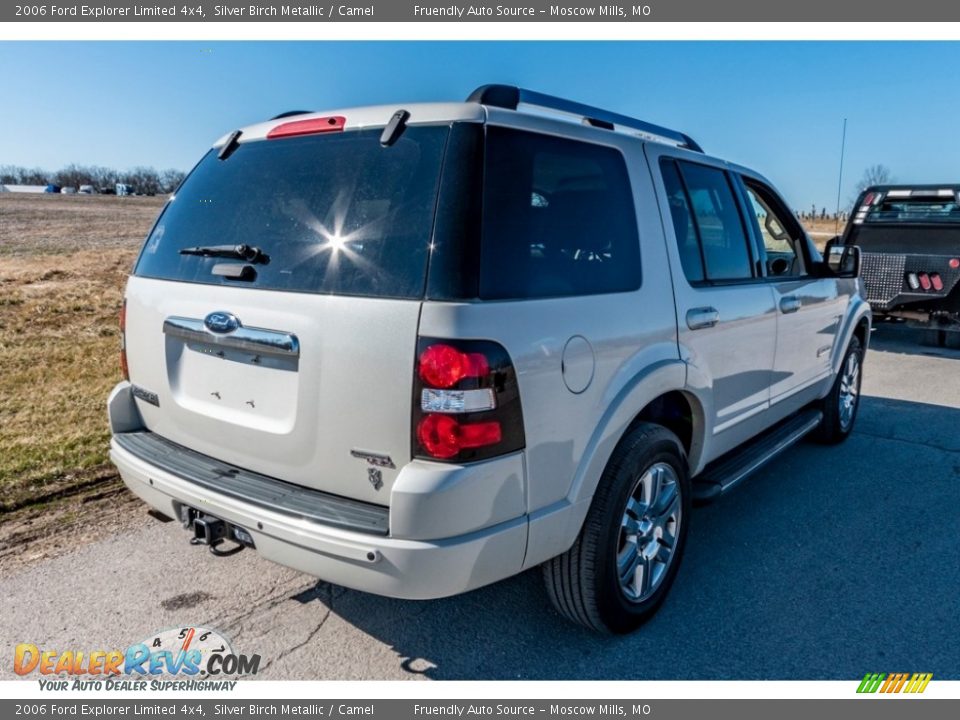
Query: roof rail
x=510 y=97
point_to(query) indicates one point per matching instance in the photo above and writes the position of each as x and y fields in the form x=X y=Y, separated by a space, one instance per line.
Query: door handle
x=789 y=304
x=702 y=317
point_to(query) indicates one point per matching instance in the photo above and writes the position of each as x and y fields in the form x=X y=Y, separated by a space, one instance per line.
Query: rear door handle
x=702 y=317
x=789 y=304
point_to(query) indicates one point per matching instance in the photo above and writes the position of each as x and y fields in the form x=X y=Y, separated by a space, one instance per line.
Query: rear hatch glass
x=331 y=214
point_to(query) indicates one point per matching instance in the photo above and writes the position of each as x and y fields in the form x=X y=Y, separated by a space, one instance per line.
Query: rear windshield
x=914 y=210
x=334 y=213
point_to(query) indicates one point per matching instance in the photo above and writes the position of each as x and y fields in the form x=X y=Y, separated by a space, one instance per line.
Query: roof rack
x=510 y=97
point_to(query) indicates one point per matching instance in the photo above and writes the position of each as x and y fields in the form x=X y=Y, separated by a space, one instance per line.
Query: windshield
x=333 y=213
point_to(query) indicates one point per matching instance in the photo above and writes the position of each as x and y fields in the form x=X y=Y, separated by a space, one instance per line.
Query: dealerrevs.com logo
x=911 y=683
x=186 y=658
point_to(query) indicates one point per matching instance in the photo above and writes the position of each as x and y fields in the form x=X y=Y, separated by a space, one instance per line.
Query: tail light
x=466 y=402
x=955 y=263
x=925 y=281
x=937 y=281
x=443 y=366
x=124 y=370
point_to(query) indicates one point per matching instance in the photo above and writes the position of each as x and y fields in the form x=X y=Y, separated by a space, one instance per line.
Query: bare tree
x=104 y=178
x=70 y=176
x=34 y=176
x=878 y=174
x=874 y=175
x=145 y=180
x=170 y=180
x=16 y=175
x=9 y=174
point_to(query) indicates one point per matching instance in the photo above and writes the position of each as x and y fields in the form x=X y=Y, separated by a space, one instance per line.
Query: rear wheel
x=840 y=406
x=626 y=557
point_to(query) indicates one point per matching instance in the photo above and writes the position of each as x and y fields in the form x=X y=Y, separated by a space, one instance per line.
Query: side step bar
x=725 y=473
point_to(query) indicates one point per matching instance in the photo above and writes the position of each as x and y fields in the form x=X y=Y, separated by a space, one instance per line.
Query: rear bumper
x=401 y=567
x=884 y=275
x=410 y=569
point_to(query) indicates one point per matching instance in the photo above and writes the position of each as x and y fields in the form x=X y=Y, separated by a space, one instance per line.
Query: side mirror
x=843 y=261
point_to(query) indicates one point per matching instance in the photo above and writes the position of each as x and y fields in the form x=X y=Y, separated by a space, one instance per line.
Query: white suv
x=415 y=351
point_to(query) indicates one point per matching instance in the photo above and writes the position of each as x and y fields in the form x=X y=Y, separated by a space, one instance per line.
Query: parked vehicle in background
x=68 y=191
x=87 y=190
x=125 y=189
x=51 y=188
x=909 y=236
x=415 y=350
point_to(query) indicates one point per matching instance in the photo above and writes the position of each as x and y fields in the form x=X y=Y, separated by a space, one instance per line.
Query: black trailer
x=909 y=237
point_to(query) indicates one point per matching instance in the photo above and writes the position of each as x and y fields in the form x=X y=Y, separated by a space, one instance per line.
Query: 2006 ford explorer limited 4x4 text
x=417 y=350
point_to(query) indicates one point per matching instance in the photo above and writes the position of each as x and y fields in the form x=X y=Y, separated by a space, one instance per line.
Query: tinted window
x=915 y=210
x=334 y=213
x=683 y=227
x=719 y=225
x=558 y=218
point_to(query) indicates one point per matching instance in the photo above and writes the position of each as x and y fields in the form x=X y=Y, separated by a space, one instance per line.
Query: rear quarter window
x=558 y=218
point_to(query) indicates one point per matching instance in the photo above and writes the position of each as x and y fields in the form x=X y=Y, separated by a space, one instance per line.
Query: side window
x=723 y=240
x=683 y=227
x=558 y=218
x=782 y=260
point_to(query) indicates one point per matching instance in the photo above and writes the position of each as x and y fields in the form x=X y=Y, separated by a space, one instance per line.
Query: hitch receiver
x=212 y=531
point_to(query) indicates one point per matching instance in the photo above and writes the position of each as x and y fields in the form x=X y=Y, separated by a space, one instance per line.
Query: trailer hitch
x=212 y=532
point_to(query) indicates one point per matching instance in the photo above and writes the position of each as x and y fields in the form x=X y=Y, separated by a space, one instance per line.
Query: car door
x=809 y=308
x=725 y=313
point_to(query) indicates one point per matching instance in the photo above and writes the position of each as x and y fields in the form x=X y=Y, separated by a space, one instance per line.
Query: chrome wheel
x=849 y=390
x=648 y=532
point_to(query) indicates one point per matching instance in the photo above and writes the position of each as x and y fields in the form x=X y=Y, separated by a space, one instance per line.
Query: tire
x=842 y=403
x=934 y=338
x=584 y=583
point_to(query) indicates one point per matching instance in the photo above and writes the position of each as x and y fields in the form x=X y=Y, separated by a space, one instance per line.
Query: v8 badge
x=375 y=476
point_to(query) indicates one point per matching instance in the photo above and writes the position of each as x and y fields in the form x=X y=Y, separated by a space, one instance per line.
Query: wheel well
x=674 y=411
x=863 y=327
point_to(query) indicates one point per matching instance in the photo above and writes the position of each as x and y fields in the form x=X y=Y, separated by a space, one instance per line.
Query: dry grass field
x=63 y=264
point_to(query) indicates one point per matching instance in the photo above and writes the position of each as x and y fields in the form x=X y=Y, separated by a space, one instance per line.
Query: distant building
x=23 y=188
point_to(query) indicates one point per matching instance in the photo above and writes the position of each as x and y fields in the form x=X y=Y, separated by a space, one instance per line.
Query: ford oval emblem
x=221 y=322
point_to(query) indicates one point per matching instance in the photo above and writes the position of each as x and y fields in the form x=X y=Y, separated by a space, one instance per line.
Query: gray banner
x=523 y=10
x=873 y=708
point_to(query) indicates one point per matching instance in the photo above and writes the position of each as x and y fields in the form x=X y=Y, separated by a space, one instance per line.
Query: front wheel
x=840 y=406
x=626 y=557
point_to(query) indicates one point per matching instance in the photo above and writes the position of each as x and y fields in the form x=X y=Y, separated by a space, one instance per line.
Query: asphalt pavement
x=827 y=564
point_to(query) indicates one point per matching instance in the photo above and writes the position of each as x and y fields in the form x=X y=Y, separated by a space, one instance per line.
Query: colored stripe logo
x=894 y=683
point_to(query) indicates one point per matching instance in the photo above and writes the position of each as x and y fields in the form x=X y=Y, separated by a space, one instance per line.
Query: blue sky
x=777 y=107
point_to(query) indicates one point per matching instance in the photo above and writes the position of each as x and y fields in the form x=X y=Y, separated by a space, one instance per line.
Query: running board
x=723 y=474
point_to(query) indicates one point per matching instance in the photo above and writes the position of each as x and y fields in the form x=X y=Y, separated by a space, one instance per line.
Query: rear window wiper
x=249 y=253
